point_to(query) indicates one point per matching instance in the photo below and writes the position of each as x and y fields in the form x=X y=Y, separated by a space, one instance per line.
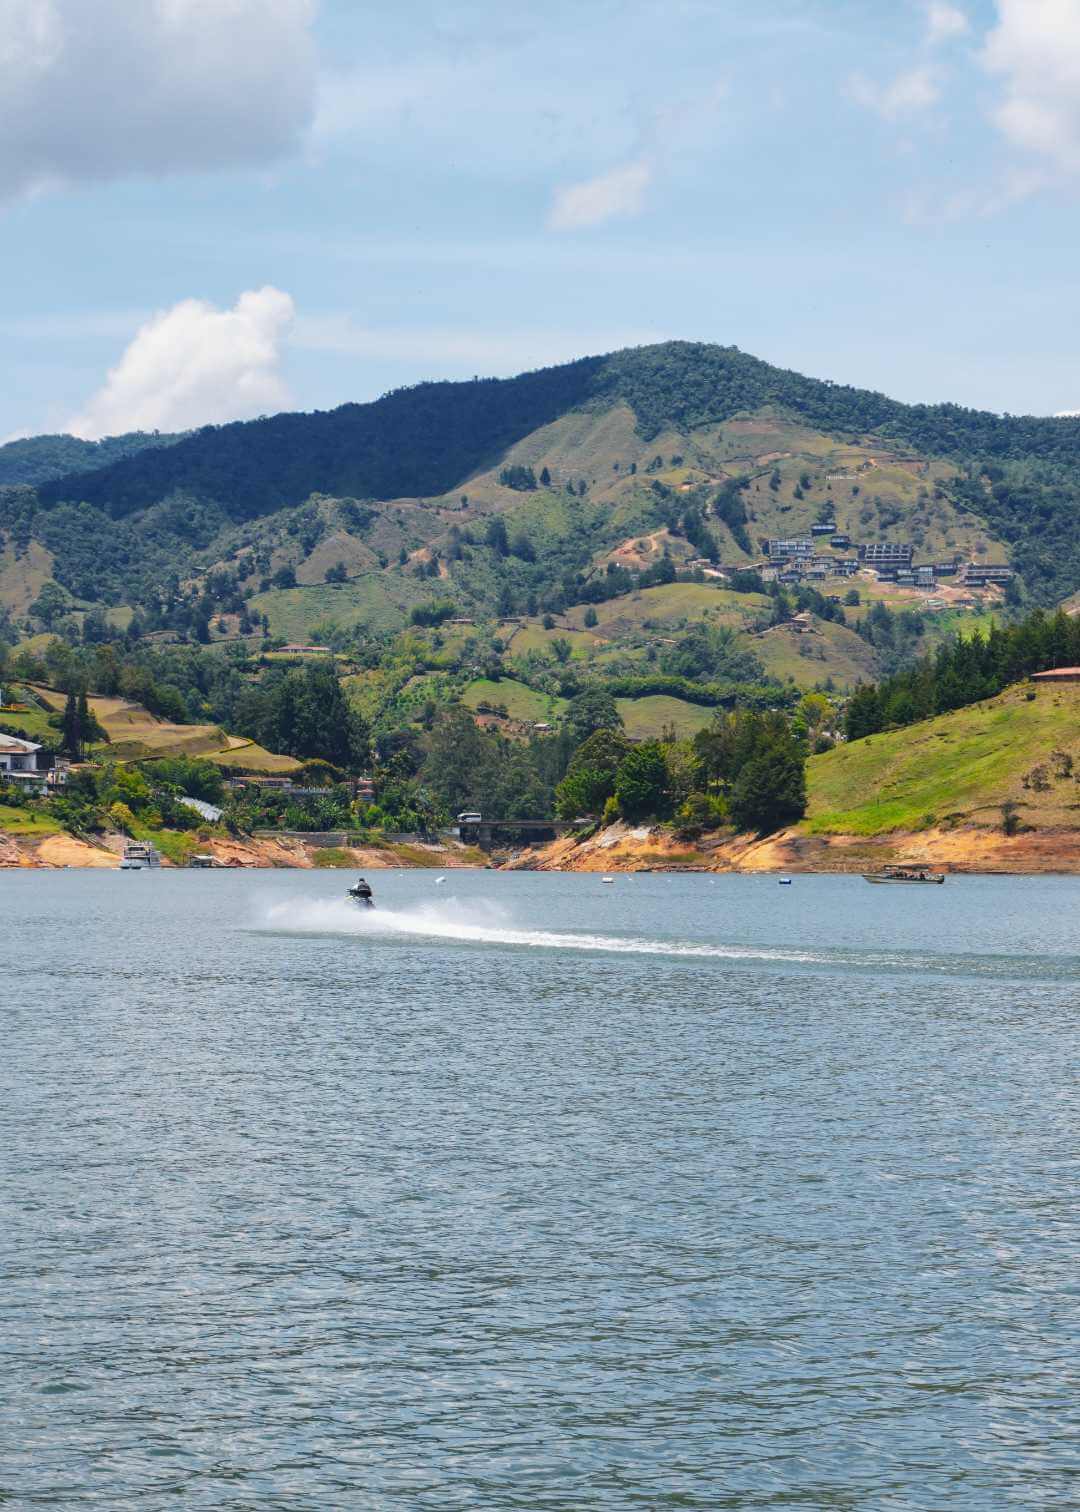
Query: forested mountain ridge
x=429 y=438
x=36 y=460
x=610 y=465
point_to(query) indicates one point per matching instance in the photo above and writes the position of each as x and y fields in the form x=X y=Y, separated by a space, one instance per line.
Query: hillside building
x=795 y=549
x=977 y=576
x=886 y=554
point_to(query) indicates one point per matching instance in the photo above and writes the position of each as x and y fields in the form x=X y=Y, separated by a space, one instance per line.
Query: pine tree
x=71 y=729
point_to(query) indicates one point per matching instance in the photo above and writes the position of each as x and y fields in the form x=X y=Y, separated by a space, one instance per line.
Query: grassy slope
x=17 y=821
x=134 y=733
x=832 y=651
x=520 y=701
x=375 y=602
x=646 y=718
x=964 y=764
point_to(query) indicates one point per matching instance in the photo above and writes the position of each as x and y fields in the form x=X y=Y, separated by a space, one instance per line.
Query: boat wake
x=481 y=923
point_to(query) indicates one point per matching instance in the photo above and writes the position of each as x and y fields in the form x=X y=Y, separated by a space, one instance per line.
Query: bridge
x=482 y=832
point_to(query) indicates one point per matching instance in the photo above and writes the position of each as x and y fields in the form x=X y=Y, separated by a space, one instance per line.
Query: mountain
x=39 y=459
x=605 y=466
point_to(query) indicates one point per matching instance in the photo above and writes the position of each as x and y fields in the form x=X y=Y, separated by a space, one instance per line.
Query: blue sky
x=216 y=208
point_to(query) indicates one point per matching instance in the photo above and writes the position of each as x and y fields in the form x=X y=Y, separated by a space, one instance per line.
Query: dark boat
x=360 y=893
x=904 y=874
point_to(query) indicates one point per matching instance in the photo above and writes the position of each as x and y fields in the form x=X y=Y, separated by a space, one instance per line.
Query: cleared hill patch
x=1021 y=747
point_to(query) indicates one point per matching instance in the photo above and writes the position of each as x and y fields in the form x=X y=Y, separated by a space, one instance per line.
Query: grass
x=832 y=651
x=958 y=766
x=34 y=722
x=19 y=821
x=332 y=857
x=249 y=757
x=177 y=846
x=373 y=601
x=533 y=637
x=671 y=602
x=646 y=718
x=521 y=702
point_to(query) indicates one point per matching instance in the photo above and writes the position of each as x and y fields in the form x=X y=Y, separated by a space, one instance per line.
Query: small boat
x=785 y=881
x=360 y=893
x=439 y=881
x=904 y=874
x=607 y=879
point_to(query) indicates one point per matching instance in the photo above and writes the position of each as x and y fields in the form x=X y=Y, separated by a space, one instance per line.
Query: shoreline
x=620 y=848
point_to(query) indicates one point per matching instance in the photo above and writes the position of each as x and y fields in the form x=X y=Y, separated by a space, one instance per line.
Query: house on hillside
x=20 y=762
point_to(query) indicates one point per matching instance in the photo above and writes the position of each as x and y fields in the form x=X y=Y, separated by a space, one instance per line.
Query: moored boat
x=139 y=854
x=904 y=874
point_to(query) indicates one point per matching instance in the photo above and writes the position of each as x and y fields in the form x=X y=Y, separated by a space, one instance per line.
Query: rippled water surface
x=530 y=1192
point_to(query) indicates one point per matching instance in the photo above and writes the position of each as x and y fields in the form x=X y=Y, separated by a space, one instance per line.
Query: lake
x=525 y=1191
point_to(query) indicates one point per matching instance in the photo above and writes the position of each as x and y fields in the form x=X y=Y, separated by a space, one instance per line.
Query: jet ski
x=360 y=893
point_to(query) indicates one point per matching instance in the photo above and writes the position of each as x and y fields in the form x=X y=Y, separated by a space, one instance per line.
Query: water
x=529 y=1192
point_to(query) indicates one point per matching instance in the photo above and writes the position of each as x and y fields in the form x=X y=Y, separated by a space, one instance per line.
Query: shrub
x=701 y=811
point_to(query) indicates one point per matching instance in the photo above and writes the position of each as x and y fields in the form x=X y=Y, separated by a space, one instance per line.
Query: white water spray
x=481 y=922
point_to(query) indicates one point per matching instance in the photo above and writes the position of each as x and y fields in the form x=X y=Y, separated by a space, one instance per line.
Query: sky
x=214 y=209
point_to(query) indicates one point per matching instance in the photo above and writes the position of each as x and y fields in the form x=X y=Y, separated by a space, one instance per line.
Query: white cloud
x=195 y=365
x=619 y=192
x=98 y=89
x=944 y=23
x=915 y=90
x=1035 y=50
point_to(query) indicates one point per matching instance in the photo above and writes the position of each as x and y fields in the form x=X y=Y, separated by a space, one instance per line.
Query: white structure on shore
x=19 y=763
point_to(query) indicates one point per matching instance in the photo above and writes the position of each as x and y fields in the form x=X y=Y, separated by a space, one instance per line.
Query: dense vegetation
x=964 y=671
x=1022 y=474
x=40 y=459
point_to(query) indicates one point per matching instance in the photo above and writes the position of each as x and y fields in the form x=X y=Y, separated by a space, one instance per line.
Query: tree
x=284 y=577
x=89 y=728
x=770 y=791
x=495 y=536
x=522 y=547
x=50 y=604
x=590 y=777
x=864 y=715
x=545 y=477
x=590 y=617
x=337 y=574
x=592 y=710
x=641 y=781
x=70 y=729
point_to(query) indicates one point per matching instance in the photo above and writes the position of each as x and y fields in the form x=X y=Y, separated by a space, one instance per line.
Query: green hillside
x=1021 y=747
x=547 y=492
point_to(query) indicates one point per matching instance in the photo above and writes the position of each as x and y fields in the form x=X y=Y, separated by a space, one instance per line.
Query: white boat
x=607 y=879
x=785 y=881
x=139 y=854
